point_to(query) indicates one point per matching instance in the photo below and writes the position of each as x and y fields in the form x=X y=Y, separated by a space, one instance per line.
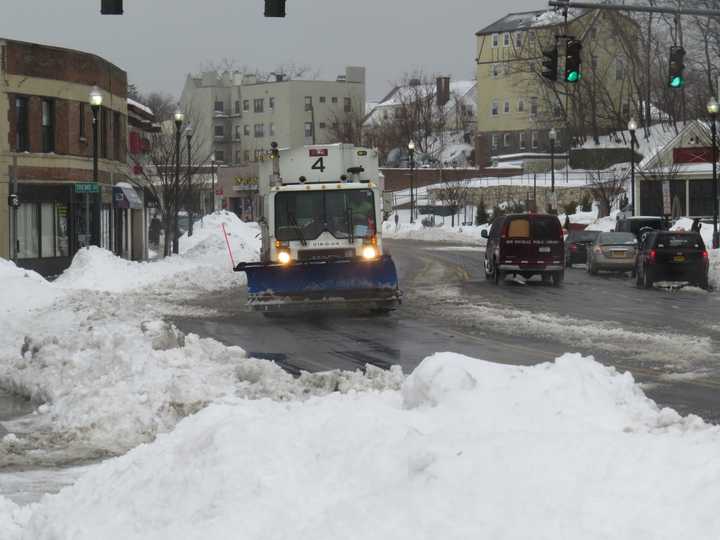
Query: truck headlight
x=369 y=252
x=284 y=257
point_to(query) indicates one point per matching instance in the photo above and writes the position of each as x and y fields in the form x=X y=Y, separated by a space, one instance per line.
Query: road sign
x=87 y=187
x=667 y=203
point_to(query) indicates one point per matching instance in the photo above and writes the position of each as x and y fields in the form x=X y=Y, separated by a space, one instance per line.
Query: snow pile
x=462 y=450
x=604 y=224
x=23 y=290
x=204 y=262
x=706 y=229
x=440 y=233
x=714 y=270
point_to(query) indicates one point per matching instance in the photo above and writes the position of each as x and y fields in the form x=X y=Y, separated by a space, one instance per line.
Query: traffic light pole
x=637 y=9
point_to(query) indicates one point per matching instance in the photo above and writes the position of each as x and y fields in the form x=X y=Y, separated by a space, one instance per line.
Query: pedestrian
x=154 y=232
x=696 y=226
x=397 y=221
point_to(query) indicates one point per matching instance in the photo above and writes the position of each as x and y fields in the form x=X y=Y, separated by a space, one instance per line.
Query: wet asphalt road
x=670 y=341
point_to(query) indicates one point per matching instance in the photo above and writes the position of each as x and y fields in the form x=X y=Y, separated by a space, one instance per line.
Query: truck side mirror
x=484 y=233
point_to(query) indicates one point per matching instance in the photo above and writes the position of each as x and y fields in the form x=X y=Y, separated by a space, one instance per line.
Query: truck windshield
x=307 y=214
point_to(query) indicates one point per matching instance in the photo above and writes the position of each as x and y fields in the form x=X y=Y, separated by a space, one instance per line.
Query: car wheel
x=592 y=269
x=704 y=284
x=568 y=261
x=497 y=276
x=557 y=278
x=638 y=279
x=488 y=274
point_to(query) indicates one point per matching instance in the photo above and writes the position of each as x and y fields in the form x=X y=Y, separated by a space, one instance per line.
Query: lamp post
x=96 y=100
x=553 y=137
x=632 y=128
x=212 y=175
x=179 y=119
x=189 y=190
x=713 y=108
x=411 y=152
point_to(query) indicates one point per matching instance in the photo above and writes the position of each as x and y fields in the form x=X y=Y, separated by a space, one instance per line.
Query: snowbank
x=464 y=449
x=706 y=229
x=23 y=290
x=440 y=233
x=203 y=263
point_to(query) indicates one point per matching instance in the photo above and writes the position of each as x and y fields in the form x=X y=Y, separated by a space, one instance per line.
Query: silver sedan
x=612 y=251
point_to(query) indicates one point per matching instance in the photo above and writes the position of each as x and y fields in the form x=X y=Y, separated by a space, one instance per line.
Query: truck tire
x=558 y=278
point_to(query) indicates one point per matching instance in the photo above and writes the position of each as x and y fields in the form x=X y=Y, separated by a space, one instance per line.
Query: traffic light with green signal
x=676 y=78
x=550 y=64
x=274 y=8
x=111 y=7
x=573 y=61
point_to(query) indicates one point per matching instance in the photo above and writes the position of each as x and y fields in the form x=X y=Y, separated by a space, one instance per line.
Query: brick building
x=46 y=148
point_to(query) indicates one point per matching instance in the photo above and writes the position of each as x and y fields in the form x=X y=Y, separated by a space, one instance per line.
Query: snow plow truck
x=321 y=222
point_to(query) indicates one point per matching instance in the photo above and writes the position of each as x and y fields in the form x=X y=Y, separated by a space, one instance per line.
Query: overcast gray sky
x=159 y=41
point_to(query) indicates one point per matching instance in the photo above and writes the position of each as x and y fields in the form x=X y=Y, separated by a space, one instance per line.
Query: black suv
x=525 y=245
x=672 y=256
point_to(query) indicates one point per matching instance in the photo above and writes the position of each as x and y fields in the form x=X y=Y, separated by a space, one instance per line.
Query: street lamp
x=411 y=152
x=713 y=108
x=553 y=137
x=212 y=175
x=96 y=99
x=179 y=119
x=632 y=128
x=189 y=197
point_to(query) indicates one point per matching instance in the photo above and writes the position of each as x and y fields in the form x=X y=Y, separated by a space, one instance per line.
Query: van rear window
x=519 y=228
x=545 y=228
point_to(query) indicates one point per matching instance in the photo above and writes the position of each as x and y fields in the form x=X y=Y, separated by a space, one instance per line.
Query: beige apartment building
x=517 y=108
x=237 y=116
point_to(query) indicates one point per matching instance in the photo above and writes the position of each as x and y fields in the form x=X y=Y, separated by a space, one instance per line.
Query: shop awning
x=124 y=196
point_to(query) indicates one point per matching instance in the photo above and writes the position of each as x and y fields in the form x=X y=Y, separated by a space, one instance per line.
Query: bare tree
x=346 y=126
x=605 y=185
x=454 y=194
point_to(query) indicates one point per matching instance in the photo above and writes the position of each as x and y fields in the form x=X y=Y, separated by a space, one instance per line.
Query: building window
x=81 y=124
x=494 y=142
x=246 y=155
x=238 y=130
x=48 y=126
x=259 y=105
x=238 y=156
x=521 y=140
x=219 y=155
x=22 y=139
x=259 y=130
x=246 y=105
x=506 y=108
x=521 y=105
x=117 y=139
x=495 y=41
x=237 y=107
x=333 y=100
x=308 y=103
x=495 y=71
x=495 y=108
x=219 y=106
x=518 y=40
x=506 y=140
x=271 y=103
x=506 y=39
x=272 y=129
x=322 y=99
x=534 y=140
x=626 y=109
x=508 y=68
x=43 y=230
x=259 y=155
x=348 y=104
x=335 y=125
x=593 y=62
x=533 y=105
x=308 y=129
x=619 y=69
x=219 y=131
x=246 y=130
x=322 y=125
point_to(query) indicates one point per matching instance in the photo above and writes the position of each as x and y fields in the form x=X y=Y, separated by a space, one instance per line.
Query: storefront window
x=27 y=222
x=47 y=230
x=105 y=227
x=62 y=237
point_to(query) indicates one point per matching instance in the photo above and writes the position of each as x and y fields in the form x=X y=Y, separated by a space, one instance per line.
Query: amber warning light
x=318 y=152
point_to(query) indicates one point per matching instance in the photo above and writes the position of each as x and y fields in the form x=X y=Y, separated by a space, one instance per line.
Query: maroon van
x=525 y=245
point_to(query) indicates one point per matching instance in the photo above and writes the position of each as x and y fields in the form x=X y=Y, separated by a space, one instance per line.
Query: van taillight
x=705 y=255
x=653 y=256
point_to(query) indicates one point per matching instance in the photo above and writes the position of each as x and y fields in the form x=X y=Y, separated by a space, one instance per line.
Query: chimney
x=443 y=91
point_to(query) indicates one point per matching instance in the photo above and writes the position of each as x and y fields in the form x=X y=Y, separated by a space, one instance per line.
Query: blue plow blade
x=372 y=283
